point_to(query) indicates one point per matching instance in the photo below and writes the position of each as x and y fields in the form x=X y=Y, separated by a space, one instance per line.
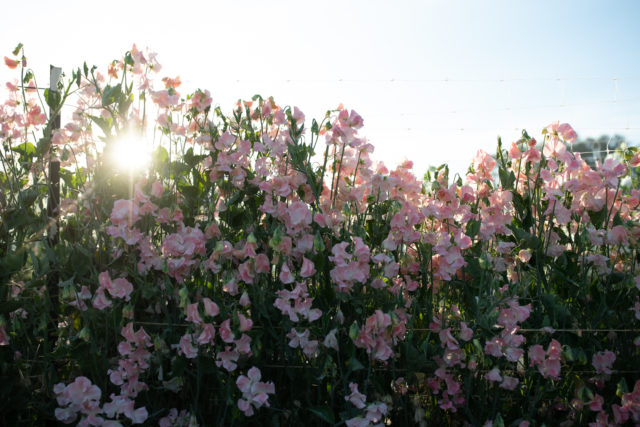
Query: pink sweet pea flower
x=245 y=323
x=299 y=214
x=245 y=272
x=524 y=255
x=243 y=345
x=550 y=368
x=603 y=361
x=536 y=354
x=138 y=416
x=11 y=63
x=532 y=155
x=567 y=132
x=125 y=212
x=493 y=375
x=101 y=301
x=308 y=269
x=187 y=348
x=330 y=341
x=298 y=116
x=466 y=333
x=192 y=313
x=80 y=391
x=4 y=338
x=207 y=334
x=514 y=151
x=210 y=307
x=227 y=359
x=120 y=288
x=65 y=415
x=357 y=422
x=509 y=383
x=596 y=404
x=285 y=274
x=254 y=392
x=618 y=235
x=261 y=264
x=225 y=141
x=356 y=398
x=564 y=130
x=554 y=351
x=157 y=189
x=225 y=331
x=244 y=300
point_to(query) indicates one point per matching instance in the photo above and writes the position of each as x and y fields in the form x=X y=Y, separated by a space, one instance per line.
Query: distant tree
x=595 y=150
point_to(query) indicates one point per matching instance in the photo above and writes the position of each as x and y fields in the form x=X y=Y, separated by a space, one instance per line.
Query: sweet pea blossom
x=493 y=375
x=366 y=244
x=603 y=361
x=187 y=348
x=11 y=63
x=255 y=393
x=356 y=398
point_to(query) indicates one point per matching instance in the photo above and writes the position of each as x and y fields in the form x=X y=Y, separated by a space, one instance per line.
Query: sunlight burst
x=131 y=153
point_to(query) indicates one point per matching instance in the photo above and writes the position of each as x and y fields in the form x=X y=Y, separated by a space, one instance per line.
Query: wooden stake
x=53 y=202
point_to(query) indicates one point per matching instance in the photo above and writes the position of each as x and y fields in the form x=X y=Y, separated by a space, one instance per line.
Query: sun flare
x=131 y=153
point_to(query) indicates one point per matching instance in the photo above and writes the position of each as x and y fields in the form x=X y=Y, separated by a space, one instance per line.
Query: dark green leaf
x=473 y=227
x=25 y=149
x=597 y=218
x=354 y=364
x=111 y=95
x=325 y=413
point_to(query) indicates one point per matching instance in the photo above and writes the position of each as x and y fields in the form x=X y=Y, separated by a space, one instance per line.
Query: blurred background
x=434 y=80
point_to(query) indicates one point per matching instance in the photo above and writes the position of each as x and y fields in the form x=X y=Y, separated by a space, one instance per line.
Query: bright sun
x=131 y=153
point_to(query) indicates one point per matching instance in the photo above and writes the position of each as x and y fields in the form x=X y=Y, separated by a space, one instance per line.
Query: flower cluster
x=255 y=246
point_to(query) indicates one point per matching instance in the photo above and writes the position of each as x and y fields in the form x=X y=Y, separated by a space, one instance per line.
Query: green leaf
x=27 y=77
x=111 y=95
x=527 y=240
x=597 y=218
x=13 y=262
x=27 y=197
x=617 y=220
x=567 y=352
x=580 y=356
x=160 y=156
x=104 y=124
x=81 y=260
x=192 y=160
x=354 y=364
x=124 y=104
x=622 y=387
x=504 y=178
x=325 y=413
x=128 y=59
x=25 y=149
x=189 y=191
x=473 y=227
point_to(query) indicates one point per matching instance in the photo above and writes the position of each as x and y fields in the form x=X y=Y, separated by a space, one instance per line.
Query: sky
x=433 y=80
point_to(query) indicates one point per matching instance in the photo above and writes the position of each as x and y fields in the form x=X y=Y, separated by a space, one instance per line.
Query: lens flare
x=131 y=153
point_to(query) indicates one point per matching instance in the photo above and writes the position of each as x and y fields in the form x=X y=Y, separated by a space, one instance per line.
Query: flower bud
x=127 y=311
x=318 y=244
x=84 y=334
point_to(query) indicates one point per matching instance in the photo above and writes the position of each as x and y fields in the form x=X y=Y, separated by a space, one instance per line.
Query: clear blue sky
x=434 y=80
